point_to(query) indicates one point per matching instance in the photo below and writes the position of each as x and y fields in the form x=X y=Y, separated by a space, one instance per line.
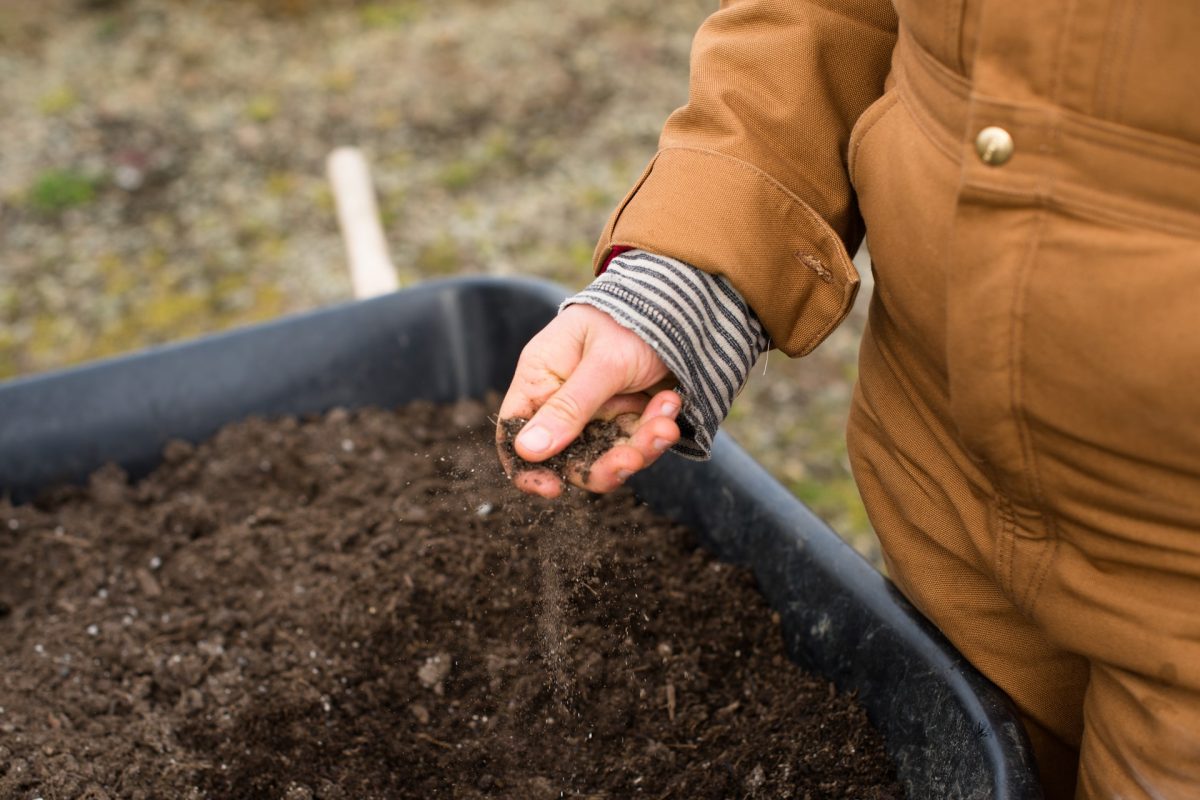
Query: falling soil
x=595 y=440
x=359 y=606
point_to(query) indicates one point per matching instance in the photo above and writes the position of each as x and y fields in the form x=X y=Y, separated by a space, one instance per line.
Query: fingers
x=584 y=365
x=608 y=472
x=545 y=362
x=657 y=430
x=651 y=435
x=565 y=413
x=541 y=482
x=623 y=405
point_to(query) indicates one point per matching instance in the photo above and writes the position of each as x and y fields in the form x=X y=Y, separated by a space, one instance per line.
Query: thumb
x=563 y=416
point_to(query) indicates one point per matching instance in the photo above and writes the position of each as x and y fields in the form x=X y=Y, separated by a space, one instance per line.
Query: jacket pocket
x=862 y=127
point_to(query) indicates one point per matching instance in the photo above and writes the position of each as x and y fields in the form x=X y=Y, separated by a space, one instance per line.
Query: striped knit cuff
x=697 y=323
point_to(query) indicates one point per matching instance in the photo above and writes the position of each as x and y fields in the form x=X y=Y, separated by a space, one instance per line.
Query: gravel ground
x=163 y=172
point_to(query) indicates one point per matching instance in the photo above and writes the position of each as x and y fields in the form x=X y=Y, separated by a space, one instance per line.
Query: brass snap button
x=994 y=146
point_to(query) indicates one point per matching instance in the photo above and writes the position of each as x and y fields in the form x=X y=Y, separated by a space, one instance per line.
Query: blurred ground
x=162 y=172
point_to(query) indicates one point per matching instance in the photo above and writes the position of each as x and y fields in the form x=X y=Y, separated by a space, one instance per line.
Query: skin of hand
x=584 y=366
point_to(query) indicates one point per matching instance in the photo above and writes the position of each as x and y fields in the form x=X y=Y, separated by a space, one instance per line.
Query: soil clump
x=597 y=437
x=355 y=606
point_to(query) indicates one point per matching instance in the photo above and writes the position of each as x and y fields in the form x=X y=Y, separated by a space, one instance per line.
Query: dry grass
x=163 y=171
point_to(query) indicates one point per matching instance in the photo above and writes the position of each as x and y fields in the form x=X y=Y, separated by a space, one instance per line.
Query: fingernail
x=535 y=439
x=661 y=445
x=623 y=475
x=669 y=409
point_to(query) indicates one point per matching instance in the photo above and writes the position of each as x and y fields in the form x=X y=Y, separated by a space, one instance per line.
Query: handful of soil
x=356 y=606
x=597 y=438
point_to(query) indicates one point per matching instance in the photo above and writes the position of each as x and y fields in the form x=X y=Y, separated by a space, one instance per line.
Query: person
x=1025 y=431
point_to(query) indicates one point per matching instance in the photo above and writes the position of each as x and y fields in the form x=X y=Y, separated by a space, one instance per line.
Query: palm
x=581 y=366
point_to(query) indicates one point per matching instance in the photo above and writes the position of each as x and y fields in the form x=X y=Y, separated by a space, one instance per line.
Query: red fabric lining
x=617 y=250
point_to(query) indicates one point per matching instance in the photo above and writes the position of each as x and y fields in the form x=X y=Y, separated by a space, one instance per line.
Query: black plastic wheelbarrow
x=951 y=733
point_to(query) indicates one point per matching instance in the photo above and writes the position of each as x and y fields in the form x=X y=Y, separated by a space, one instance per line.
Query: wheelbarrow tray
x=950 y=732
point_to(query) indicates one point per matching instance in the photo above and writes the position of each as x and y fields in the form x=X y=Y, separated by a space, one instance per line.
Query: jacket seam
x=1041 y=571
x=1016 y=362
x=611 y=227
x=1005 y=540
x=1122 y=74
x=1029 y=456
x=927 y=127
x=1108 y=133
x=887 y=105
x=1109 y=45
x=1072 y=200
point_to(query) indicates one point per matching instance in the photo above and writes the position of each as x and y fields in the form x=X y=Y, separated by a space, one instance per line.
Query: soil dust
x=595 y=440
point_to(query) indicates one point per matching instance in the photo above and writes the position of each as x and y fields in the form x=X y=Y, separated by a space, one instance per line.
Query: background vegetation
x=162 y=173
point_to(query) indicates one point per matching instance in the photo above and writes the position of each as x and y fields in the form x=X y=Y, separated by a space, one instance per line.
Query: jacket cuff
x=727 y=217
x=698 y=324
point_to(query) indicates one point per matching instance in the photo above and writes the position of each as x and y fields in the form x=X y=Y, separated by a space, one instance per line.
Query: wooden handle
x=371 y=270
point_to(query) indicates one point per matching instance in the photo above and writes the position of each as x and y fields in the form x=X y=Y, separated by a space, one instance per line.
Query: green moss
x=322 y=198
x=499 y=147
x=460 y=174
x=440 y=257
x=389 y=15
x=116 y=275
x=595 y=199
x=9 y=353
x=154 y=262
x=545 y=149
x=836 y=500
x=227 y=286
x=391 y=207
x=58 y=190
x=850 y=372
x=10 y=304
x=170 y=312
x=46 y=338
x=580 y=253
x=250 y=231
x=262 y=108
x=280 y=184
x=270 y=249
x=58 y=101
x=267 y=302
x=492 y=153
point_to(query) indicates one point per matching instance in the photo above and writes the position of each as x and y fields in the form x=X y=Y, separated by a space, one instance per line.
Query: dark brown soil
x=597 y=438
x=359 y=606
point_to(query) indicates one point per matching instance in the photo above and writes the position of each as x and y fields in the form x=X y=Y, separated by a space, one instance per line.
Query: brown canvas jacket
x=1100 y=99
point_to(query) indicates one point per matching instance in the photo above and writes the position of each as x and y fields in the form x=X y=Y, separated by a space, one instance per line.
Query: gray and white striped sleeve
x=697 y=323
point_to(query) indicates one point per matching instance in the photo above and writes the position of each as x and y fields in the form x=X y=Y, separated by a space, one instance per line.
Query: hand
x=584 y=365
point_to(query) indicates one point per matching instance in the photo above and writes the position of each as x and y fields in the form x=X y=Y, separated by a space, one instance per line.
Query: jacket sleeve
x=750 y=180
x=699 y=325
